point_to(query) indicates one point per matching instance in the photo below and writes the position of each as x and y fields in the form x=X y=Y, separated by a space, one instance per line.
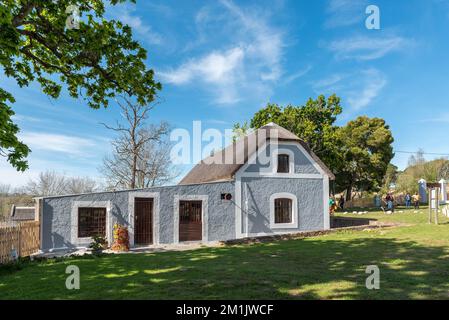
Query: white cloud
x=9 y=175
x=343 y=13
x=297 y=75
x=328 y=82
x=57 y=143
x=214 y=67
x=220 y=69
x=372 y=83
x=358 y=90
x=441 y=118
x=23 y=118
x=367 y=48
x=127 y=15
x=249 y=60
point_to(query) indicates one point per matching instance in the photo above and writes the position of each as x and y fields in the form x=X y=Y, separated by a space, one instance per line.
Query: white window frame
x=291 y=161
x=86 y=241
x=291 y=225
x=204 y=215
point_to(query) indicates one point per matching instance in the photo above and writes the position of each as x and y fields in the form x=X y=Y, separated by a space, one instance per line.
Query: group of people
x=415 y=199
x=334 y=205
x=409 y=200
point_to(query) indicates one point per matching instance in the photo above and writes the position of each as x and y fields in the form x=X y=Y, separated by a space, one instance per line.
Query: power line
x=428 y=153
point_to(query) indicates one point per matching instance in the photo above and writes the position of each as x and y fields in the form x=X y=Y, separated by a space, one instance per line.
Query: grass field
x=413 y=262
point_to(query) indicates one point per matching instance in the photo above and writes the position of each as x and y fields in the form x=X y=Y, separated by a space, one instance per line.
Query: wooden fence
x=23 y=237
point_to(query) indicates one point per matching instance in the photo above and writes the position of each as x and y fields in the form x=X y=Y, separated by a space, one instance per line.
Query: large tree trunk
x=349 y=193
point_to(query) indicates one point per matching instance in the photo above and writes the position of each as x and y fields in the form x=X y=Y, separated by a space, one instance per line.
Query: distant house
x=269 y=185
x=21 y=214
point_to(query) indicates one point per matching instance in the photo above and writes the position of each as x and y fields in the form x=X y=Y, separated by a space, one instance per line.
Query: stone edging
x=305 y=234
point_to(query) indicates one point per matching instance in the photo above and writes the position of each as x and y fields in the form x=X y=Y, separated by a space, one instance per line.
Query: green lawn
x=413 y=262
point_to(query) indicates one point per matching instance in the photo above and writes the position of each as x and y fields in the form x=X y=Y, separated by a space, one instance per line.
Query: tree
x=146 y=164
x=390 y=177
x=431 y=171
x=417 y=159
x=366 y=150
x=97 y=60
x=313 y=122
x=76 y=185
x=132 y=149
x=240 y=130
x=51 y=183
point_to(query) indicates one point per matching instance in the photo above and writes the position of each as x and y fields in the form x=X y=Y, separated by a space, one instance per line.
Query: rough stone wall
x=309 y=193
x=56 y=224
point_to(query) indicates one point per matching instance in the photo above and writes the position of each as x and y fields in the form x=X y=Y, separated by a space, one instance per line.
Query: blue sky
x=221 y=61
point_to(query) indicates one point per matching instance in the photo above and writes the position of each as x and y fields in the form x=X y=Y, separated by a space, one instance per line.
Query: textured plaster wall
x=302 y=164
x=309 y=193
x=56 y=221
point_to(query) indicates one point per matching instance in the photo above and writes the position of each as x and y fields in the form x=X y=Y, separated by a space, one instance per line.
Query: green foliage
x=390 y=177
x=10 y=146
x=431 y=171
x=312 y=122
x=365 y=152
x=240 y=130
x=359 y=153
x=98 y=244
x=97 y=61
x=413 y=258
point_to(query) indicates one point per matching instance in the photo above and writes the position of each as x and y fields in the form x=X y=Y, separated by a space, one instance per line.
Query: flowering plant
x=121 y=238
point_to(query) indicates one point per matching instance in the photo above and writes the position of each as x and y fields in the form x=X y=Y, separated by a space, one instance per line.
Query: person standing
x=390 y=202
x=408 y=200
x=416 y=200
x=341 y=203
x=331 y=205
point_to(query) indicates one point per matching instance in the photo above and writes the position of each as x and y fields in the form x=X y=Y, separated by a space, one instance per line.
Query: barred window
x=91 y=222
x=283 y=163
x=283 y=210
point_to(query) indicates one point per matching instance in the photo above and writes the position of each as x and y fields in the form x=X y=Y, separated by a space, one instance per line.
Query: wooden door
x=190 y=221
x=143 y=221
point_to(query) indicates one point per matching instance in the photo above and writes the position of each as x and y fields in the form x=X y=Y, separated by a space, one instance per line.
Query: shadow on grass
x=296 y=269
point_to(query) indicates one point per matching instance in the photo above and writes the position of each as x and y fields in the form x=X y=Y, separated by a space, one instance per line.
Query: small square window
x=91 y=222
x=283 y=163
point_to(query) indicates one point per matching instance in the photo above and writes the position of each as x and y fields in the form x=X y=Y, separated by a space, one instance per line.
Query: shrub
x=121 y=238
x=98 y=245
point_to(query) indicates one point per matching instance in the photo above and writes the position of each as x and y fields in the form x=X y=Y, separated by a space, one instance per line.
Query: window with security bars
x=91 y=222
x=190 y=211
x=283 y=163
x=283 y=210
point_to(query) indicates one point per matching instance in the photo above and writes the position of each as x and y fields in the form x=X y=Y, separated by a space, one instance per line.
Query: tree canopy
x=431 y=171
x=97 y=60
x=365 y=150
x=358 y=153
x=312 y=122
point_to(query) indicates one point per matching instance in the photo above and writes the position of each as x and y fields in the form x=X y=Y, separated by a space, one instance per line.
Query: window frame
x=91 y=211
x=288 y=206
x=294 y=209
x=286 y=164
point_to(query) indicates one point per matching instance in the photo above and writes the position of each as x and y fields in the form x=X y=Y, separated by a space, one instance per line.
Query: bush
x=98 y=245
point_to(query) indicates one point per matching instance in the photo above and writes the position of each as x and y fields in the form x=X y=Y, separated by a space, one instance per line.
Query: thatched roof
x=213 y=168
